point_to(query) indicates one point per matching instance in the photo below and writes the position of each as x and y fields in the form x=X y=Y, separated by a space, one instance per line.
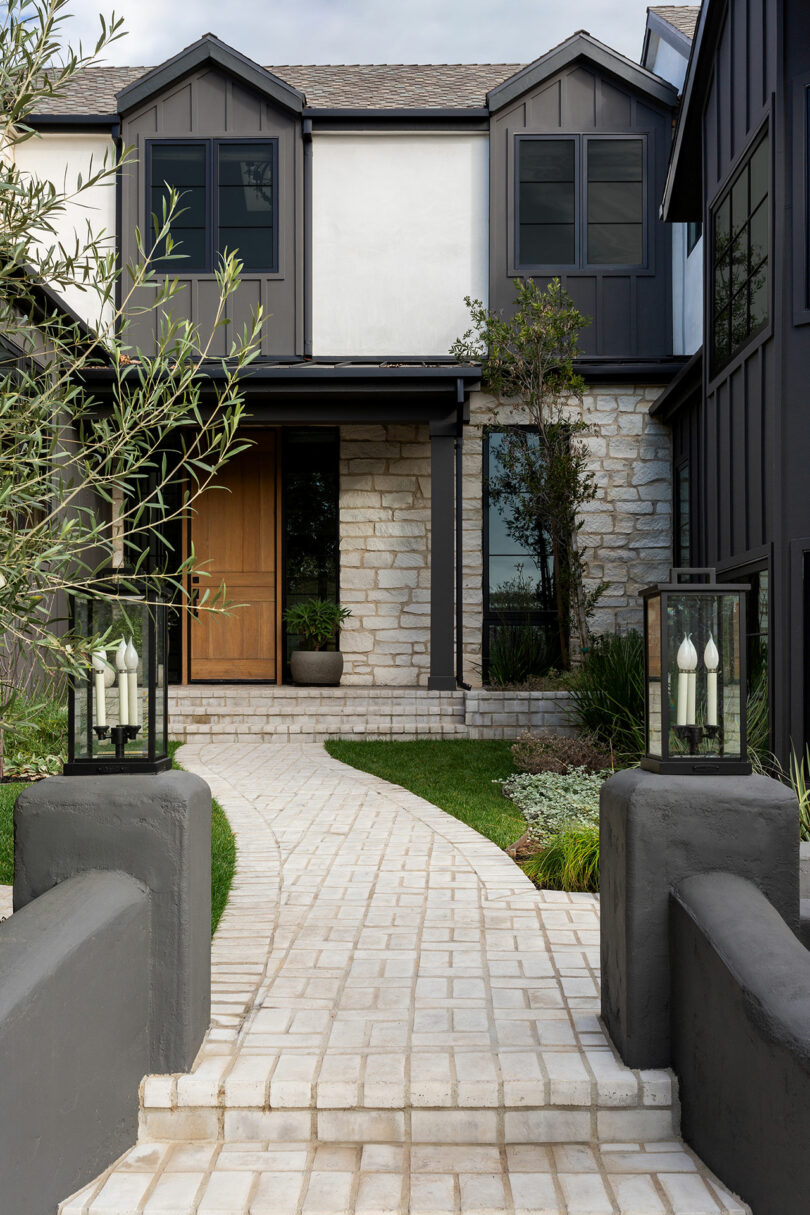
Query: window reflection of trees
x=740 y=284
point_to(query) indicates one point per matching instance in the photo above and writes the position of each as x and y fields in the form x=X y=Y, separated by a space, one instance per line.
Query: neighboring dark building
x=738 y=412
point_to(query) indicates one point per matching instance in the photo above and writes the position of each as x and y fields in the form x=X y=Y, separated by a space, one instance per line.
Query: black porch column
x=442 y=555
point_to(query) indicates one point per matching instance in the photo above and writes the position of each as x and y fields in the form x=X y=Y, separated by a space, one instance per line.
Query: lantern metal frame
x=157 y=759
x=692 y=763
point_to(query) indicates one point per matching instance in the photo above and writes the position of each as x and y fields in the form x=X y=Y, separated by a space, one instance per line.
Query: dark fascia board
x=324 y=375
x=401 y=119
x=681 y=390
x=677 y=39
x=210 y=50
x=683 y=190
x=640 y=371
x=581 y=46
x=74 y=122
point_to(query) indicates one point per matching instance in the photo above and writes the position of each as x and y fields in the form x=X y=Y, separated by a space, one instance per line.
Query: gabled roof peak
x=581 y=45
x=209 y=49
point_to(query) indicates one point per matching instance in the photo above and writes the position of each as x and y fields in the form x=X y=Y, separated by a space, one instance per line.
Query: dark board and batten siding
x=630 y=310
x=210 y=104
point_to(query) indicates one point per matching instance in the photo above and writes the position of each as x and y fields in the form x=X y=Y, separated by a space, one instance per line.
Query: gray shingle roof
x=376 y=86
x=682 y=17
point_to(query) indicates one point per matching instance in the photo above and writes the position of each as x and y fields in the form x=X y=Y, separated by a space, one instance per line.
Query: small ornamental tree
x=83 y=490
x=528 y=360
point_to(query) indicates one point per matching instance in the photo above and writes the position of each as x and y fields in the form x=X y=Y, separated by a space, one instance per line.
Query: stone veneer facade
x=385 y=530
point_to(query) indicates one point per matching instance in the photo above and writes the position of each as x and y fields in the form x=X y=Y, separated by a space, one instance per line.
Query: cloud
x=365 y=31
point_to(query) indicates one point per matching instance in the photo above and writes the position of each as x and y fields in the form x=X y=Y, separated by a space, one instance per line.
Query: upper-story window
x=580 y=201
x=740 y=246
x=227 y=202
x=694 y=231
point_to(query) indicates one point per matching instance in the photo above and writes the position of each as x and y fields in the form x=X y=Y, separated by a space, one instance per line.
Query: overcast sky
x=365 y=31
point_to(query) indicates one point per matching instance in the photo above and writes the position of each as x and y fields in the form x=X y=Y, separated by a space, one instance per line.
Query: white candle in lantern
x=687 y=665
x=99 y=669
x=123 y=681
x=131 y=657
x=711 y=657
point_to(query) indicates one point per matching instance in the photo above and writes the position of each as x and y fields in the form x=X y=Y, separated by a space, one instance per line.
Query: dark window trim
x=681 y=558
x=801 y=200
x=488 y=616
x=212 y=147
x=717 y=375
x=581 y=265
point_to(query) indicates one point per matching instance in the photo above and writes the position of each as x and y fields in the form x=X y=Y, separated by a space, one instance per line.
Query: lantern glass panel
x=704 y=669
x=654 y=706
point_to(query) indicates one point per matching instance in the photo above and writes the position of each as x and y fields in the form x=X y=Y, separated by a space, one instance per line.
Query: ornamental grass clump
x=569 y=862
x=552 y=802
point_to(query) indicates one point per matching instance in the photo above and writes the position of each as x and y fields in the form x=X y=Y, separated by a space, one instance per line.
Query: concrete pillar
x=158 y=830
x=655 y=831
x=442 y=555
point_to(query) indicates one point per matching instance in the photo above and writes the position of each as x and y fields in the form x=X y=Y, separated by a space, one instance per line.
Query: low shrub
x=34 y=743
x=518 y=653
x=552 y=802
x=570 y=861
x=549 y=751
x=608 y=693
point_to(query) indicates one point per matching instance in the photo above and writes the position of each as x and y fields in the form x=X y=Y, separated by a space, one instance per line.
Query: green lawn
x=8 y=796
x=455 y=774
x=223 y=847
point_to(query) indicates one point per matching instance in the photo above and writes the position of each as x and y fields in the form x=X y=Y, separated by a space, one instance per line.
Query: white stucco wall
x=400 y=227
x=60 y=158
x=687 y=293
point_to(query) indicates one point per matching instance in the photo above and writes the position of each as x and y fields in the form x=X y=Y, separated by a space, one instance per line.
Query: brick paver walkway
x=401 y=1022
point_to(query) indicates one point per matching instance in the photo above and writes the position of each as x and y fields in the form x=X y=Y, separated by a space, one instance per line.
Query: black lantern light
x=695 y=681
x=118 y=711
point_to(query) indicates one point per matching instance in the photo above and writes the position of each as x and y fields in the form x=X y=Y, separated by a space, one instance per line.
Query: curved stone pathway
x=401 y=1022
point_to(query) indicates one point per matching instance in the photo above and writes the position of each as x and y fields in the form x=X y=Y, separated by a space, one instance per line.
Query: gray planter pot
x=322 y=668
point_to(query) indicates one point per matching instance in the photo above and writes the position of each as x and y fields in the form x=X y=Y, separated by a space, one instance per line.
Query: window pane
x=721 y=336
x=254 y=246
x=739 y=203
x=722 y=294
x=615 y=202
x=547 y=203
x=759 y=174
x=546 y=160
x=615 y=159
x=739 y=318
x=190 y=210
x=615 y=244
x=722 y=227
x=245 y=202
x=759 y=234
x=178 y=164
x=759 y=296
x=188 y=252
x=547 y=245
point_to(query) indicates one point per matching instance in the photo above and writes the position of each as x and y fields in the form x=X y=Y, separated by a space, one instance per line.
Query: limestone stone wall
x=385 y=530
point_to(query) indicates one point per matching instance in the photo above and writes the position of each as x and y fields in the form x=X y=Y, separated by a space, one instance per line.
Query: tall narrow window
x=615 y=202
x=740 y=247
x=683 y=529
x=547 y=202
x=227 y=202
x=184 y=168
x=694 y=231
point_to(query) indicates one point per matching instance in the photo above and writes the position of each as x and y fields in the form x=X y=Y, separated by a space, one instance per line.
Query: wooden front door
x=234 y=536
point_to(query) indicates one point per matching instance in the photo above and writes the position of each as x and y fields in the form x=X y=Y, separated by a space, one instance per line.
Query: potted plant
x=316 y=622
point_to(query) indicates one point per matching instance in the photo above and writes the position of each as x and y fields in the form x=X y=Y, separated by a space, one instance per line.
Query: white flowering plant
x=552 y=802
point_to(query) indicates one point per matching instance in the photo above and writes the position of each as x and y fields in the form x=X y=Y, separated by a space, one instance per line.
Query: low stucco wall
x=74 y=1040
x=741 y=1040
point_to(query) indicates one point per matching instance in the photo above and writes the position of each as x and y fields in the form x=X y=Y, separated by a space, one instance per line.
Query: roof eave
x=682 y=199
x=209 y=50
x=581 y=46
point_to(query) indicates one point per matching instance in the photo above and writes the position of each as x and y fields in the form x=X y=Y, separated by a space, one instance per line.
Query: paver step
x=362 y=1178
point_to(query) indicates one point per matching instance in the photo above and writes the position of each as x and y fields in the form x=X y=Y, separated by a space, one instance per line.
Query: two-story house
x=740 y=436
x=366 y=202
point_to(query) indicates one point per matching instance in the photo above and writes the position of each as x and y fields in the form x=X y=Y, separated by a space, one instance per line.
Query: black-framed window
x=683 y=523
x=694 y=231
x=740 y=289
x=579 y=201
x=227 y=202
x=519 y=581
